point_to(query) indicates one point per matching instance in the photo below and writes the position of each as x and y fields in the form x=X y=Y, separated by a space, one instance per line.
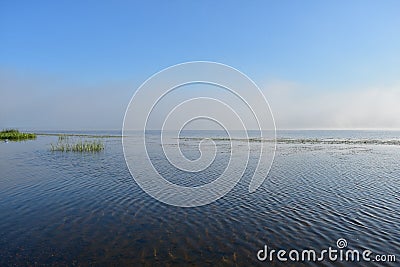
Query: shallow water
x=85 y=208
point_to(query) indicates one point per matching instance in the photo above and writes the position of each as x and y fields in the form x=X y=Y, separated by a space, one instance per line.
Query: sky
x=74 y=65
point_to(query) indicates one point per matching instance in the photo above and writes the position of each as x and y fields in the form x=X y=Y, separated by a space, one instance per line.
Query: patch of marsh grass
x=63 y=137
x=64 y=145
x=15 y=135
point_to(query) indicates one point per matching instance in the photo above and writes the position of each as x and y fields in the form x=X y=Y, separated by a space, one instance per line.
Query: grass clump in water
x=64 y=145
x=15 y=135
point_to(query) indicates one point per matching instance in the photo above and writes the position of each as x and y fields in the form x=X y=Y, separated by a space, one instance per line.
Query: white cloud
x=299 y=107
x=48 y=103
x=29 y=102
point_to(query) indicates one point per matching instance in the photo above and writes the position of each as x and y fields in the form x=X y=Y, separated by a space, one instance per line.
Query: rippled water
x=85 y=209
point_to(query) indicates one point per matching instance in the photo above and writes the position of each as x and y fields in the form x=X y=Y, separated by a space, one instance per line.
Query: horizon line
x=286 y=129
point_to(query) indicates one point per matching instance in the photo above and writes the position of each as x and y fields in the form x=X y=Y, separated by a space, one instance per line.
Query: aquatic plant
x=15 y=135
x=62 y=137
x=63 y=145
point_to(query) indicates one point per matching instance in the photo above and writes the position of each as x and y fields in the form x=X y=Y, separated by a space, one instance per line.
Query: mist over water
x=85 y=208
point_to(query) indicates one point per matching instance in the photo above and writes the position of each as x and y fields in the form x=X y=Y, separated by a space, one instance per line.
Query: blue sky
x=55 y=49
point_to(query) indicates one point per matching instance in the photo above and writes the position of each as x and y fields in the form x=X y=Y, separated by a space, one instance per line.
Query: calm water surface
x=85 y=209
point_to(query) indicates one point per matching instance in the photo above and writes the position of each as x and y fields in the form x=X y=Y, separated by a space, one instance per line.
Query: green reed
x=15 y=135
x=62 y=137
x=64 y=145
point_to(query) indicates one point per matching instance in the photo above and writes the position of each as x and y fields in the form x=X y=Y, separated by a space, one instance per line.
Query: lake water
x=85 y=208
